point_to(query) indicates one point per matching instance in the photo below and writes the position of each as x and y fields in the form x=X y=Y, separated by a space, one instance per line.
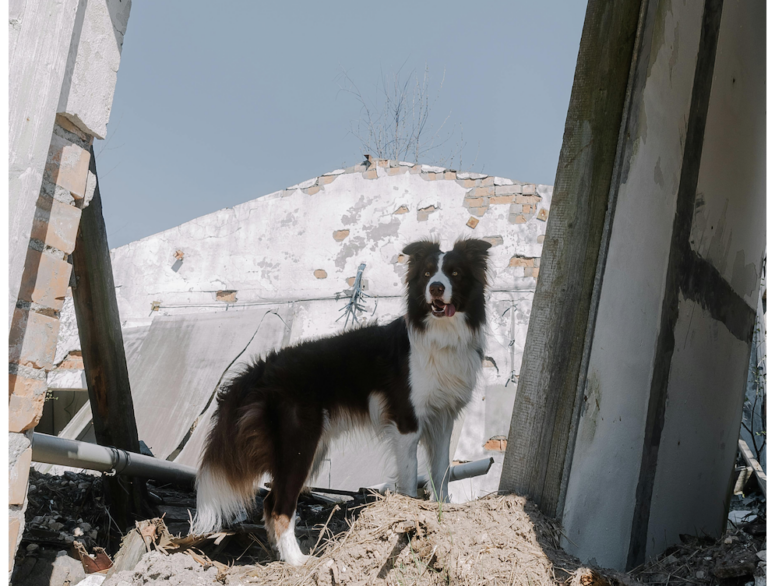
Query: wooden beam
x=101 y=341
x=752 y=462
x=538 y=450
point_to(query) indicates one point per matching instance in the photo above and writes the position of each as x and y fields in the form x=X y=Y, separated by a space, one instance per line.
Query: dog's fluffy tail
x=238 y=452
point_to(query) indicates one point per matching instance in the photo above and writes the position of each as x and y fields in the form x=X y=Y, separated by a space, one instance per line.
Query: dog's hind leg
x=296 y=451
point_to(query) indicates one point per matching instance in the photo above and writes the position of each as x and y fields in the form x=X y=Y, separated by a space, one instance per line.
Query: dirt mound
x=399 y=540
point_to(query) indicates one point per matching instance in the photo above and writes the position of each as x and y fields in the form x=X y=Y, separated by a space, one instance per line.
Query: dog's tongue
x=450 y=310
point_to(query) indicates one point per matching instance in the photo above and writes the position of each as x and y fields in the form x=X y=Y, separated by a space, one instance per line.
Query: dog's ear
x=473 y=248
x=418 y=250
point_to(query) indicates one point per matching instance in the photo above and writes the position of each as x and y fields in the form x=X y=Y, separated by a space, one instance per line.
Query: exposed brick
x=312 y=190
x=502 y=199
x=23 y=386
x=401 y=258
x=494 y=240
x=45 y=279
x=382 y=162
x=478 y=211
x=476 y=202
x=370 y=174
x=487 y=182
x=540 y=238
x=227 y=296
x=14 y=527
x=520 y=220
x=542 y=215
x=529 y=189
x=527 y=199
x=18 y=476
x=24 y=412
x=32 y=341
x=351 y=281
x=340 y=235
x=320 y=274
x=423 y=214
x=496 y=445
x=466 y=182
x=397 y=170
x=73 y=360
x=429 y=176
x=402 y=209
x=535 y=272
x=56 y=224
x=415 y=170
x=326 y=179
x=527 y=209
x=521 y=261
x=70 y=127
x=473 y=222
x=67 y=166
x=449 y=175
x=509 y=189
x=481 y=191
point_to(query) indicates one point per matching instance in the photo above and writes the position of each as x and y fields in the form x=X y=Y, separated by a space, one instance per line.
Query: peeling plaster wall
x=298 y=251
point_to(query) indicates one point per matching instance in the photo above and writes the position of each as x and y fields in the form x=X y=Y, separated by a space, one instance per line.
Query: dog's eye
x=427 y=274
x=455 y=273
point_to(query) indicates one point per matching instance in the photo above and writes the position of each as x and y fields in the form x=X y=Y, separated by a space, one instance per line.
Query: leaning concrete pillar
x=643 y=440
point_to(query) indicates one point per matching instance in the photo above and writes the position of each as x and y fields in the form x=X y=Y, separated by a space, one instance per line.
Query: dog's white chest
x=444 y=364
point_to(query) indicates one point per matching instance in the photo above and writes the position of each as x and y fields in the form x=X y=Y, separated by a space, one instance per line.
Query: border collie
x=408 y=379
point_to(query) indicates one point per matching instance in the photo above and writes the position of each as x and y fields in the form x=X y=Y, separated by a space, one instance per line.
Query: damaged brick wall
x=66 y=189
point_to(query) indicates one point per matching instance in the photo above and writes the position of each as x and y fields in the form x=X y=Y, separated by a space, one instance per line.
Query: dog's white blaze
x=217 y=503
x=288 y=547
x=440 y=277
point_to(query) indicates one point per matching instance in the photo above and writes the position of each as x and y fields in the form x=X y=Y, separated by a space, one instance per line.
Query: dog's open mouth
x=440 y=308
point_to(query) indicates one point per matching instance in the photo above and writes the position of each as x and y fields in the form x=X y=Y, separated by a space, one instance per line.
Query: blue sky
x=218 y=103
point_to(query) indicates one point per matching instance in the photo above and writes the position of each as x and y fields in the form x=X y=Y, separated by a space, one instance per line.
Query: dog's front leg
x=405 y=445
x=437 y=441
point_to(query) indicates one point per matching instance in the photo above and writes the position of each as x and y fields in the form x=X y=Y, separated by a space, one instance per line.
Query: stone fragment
x=402 y=209
x=45 y=279
x=543 y=215
x=320 y=274
x=473 y=222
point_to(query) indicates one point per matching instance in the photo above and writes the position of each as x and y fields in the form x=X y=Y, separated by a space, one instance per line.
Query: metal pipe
x=460 y=472
x=49 y=449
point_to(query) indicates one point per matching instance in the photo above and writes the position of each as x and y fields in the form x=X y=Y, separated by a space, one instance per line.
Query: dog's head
x=444 y=284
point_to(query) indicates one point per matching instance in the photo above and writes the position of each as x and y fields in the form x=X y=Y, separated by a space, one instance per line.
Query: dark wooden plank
x=542 y=421
x=101 y=341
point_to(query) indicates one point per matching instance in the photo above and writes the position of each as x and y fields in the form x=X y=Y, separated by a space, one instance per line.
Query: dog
x=408 y=379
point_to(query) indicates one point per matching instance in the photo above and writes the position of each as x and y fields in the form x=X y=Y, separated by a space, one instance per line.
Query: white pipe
x=50 y=449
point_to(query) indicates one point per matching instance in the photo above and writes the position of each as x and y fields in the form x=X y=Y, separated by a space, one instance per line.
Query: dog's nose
x=436 y=289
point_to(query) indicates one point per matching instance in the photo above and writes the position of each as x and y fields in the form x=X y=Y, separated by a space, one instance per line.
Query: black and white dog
x=408 y=379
